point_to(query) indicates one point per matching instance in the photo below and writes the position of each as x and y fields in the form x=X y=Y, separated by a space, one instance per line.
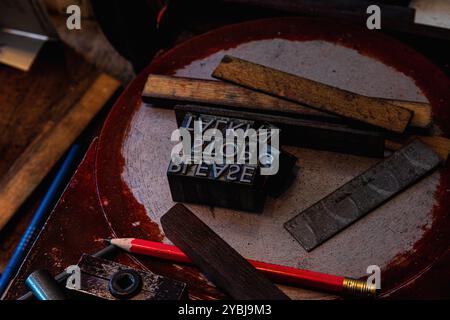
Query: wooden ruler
x=225 y=267
x=376 y=112
x=168 y=91
x=361 y=195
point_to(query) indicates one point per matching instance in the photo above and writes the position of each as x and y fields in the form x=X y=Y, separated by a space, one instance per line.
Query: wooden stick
x=37 y=160
x=170 y=91
x=176 y=90
x=217 y=259
x=314 y=94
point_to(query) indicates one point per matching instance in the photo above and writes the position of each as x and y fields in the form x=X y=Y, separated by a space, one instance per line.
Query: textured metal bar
x=361 y=195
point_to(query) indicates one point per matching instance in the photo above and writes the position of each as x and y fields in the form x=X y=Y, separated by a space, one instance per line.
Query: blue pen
x=39 y=217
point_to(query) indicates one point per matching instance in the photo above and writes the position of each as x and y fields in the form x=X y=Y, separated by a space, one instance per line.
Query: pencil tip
x=108 y=241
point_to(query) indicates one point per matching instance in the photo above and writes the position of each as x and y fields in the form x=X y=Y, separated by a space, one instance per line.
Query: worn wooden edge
x=46 y=149
x=376 y=112
x=422 y=117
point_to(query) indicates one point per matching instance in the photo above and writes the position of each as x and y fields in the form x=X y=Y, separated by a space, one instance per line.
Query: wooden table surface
x=29 y=101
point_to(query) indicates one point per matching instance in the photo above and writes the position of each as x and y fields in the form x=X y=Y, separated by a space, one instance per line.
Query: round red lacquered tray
x=408 y=237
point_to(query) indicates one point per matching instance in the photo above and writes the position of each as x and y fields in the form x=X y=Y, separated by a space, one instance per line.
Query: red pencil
x=277 y=273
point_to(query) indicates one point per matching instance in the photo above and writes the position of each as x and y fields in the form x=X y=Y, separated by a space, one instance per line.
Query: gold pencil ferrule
x=359 y=288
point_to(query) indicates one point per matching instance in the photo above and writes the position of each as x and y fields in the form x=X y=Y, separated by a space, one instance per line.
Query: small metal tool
x=109 y=280
x=61 y=277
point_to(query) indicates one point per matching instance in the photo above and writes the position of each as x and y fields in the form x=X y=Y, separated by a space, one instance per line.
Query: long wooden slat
x=218 y=260
x=169 y=90
x=176 y=90
x=39 y=157
x=362 y=194
x=314 y=94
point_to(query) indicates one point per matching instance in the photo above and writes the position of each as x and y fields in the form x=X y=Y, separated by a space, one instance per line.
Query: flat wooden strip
x=361 y=195
x=37 y=160
x=218 y=260
x=440 y=145
x=176 y=90
x=171 y=90
x=314 y=94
